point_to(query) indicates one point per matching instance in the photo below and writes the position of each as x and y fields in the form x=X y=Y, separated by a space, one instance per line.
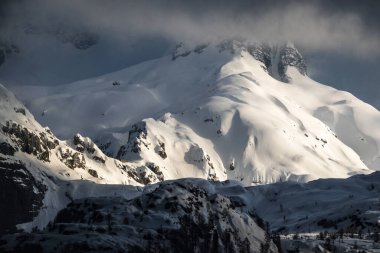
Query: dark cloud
x=317 y=25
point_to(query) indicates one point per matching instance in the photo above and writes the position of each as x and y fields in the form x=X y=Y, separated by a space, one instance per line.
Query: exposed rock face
x=271 y=56
x=160 y=150
x=82 y=145
x=289 y=56
x=72 y=159
x=137 y=138
x=37 y=144
x=150 y=173
x=21 y=195
x=20 y=110
x=261 y=52
x=187 y=218
x=156 y=170
x=147 y=174
x=93 y=173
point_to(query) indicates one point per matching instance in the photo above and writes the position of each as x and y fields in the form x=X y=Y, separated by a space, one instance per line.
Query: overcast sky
x=339 y=39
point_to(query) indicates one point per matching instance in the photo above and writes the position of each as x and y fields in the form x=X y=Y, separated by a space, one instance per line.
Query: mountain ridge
x=199 y=93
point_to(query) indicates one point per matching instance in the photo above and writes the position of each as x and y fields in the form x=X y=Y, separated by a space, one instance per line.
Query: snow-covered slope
x=355 y=123
x=215 y=111
x=351 y=204
x=76 y=158
x=40 y=174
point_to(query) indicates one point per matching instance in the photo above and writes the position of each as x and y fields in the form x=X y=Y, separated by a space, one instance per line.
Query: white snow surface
x=220 y=115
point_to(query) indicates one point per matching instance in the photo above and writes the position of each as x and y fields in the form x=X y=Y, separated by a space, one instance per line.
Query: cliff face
x=290 y=57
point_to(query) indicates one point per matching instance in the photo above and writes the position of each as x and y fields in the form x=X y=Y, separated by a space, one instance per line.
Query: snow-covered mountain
x=230 y=110
x=40 y=175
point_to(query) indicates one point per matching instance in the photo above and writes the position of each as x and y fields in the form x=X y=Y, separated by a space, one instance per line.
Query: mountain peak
x=276 y=58
x=289 y=56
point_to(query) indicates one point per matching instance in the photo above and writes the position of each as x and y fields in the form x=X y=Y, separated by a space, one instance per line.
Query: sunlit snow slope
x=24 y=140
x=217 y=112
x=40 y=174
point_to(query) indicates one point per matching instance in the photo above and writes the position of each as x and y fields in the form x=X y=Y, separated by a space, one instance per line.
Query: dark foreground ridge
x=174 y=217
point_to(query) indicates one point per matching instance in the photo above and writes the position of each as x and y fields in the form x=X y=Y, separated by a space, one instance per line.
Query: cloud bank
x=339 y=26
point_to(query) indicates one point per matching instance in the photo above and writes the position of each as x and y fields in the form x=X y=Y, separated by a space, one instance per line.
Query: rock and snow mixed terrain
x=245 y=112
x=216 y=111
x=351 y=204
x=180 y=216
x=35 y=167
x=212 y=216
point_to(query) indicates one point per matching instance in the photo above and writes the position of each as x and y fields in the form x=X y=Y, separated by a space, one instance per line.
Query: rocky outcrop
x=37 y=144
x=137 y=138
x=160 y=150
x=93 y=173
x=20 y=110
x=82 y=145
x=156 y=170
x=71 y=159
x=261 y=52
x=272 y=57
x=289 y=56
